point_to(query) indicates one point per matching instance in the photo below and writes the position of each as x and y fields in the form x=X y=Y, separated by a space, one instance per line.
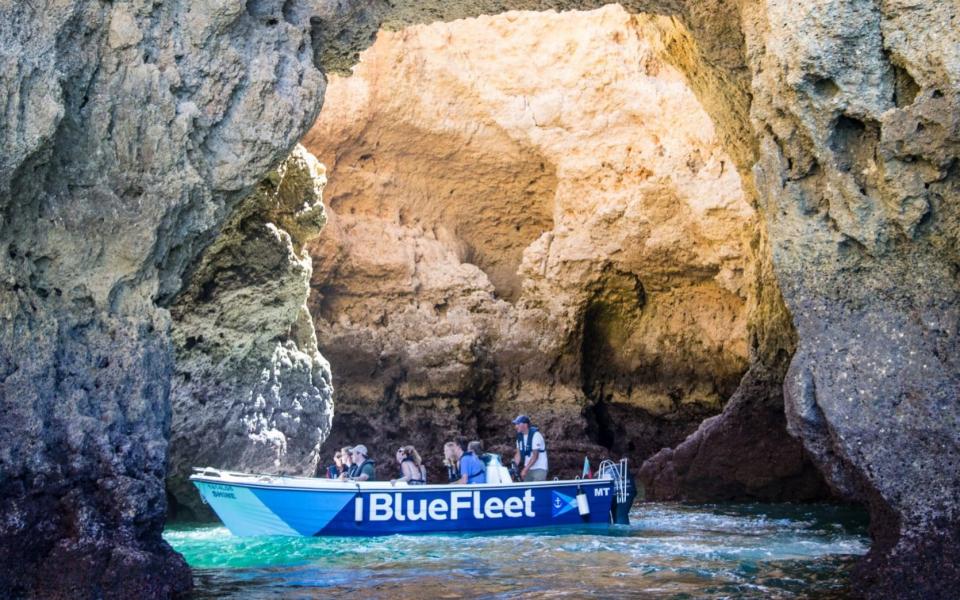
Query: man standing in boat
x=531 y=455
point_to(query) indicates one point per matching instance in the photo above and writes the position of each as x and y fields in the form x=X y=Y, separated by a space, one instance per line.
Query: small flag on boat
x=587 y=473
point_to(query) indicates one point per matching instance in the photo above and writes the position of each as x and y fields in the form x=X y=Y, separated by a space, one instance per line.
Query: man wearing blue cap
x=531 y=455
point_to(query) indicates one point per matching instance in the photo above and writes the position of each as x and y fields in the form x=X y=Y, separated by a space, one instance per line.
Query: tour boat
x=251 y=505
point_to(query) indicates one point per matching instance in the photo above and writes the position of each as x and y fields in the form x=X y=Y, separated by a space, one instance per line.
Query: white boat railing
x=617 y=472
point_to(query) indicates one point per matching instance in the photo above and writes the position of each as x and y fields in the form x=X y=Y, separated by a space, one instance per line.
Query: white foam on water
x=703 y=552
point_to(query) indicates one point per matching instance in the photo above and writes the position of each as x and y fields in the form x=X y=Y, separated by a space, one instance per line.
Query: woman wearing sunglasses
x=412 y=470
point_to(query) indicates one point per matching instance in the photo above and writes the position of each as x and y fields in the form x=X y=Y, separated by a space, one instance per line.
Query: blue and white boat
x=251 y=505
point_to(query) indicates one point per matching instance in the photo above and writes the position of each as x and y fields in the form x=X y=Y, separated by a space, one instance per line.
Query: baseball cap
x=359 y=448
x=521 y=419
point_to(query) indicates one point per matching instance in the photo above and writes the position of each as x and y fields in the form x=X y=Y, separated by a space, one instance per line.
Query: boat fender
x=582 y=504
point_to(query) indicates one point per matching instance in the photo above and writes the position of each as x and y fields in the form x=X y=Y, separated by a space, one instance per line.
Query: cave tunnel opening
x=536 y=213
x=489 y=231
x=523 y=222
x=533 y=213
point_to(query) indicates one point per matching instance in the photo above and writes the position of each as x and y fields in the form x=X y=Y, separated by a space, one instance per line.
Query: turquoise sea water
x=670 y=551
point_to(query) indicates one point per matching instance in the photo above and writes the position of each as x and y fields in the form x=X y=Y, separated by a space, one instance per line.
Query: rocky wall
x=854 y=109
x=250 y=391
x=858 y=176
x=129 y=132
x=132 y=129
x=528 y=223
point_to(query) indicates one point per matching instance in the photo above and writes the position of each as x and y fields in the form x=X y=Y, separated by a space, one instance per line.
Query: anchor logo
x=563 y=504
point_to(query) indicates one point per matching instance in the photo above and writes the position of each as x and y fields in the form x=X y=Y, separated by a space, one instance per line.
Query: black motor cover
x=620 y=511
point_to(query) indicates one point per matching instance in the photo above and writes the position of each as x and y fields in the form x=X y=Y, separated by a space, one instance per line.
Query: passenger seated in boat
x=452 y=451
x=364 y=469
x=347 y=469
x=334 y=470
x=472 y=468
x=412 y=470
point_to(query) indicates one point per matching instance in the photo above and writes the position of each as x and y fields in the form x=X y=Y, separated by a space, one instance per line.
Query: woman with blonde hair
x=412 y=470
x=452 y=451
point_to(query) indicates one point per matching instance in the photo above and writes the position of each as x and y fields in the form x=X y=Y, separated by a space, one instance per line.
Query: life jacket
x=526 y=445
x=453 y=472
x=355 y=470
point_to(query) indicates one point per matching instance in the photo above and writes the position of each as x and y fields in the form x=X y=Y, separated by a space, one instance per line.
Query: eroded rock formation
x=132 y=129
x=250 y=390
x=129 y=132
x=528 y=223
x=853 y=164
x=859 y=179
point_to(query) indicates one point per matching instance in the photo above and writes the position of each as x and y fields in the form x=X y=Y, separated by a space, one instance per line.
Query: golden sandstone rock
x=128 y=144
x=528 y=223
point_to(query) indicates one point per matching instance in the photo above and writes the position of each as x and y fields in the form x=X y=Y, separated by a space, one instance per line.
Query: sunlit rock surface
x=853 y=164
x=528 y=223
x=132 y=129
x=250 y=390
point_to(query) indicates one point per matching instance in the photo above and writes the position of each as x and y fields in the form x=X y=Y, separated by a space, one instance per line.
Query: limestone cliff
x=528 y=223
x=129 y=131
x=859 y=181
x=250 y=390
x=842 y=118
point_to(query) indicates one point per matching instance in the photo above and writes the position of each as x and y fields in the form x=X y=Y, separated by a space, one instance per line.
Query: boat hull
x=252 y=505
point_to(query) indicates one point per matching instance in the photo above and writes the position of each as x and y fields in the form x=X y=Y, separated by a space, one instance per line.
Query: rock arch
x=138 y=127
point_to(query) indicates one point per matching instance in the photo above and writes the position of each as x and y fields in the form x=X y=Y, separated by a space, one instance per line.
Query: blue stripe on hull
x=351 y=511
x=307 y=513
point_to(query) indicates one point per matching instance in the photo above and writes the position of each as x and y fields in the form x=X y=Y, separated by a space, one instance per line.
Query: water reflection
x=671 y=551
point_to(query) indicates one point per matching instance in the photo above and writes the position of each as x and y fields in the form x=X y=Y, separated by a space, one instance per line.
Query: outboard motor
x=624 y=490
x=620 y=511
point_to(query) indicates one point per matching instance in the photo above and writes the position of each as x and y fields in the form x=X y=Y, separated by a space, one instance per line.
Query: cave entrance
x=649 y=381
x=529 y=212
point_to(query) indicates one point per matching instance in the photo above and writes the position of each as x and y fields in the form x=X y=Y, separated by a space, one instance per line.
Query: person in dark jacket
x=347 y=470
x=364 y=466
x=336 y=469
